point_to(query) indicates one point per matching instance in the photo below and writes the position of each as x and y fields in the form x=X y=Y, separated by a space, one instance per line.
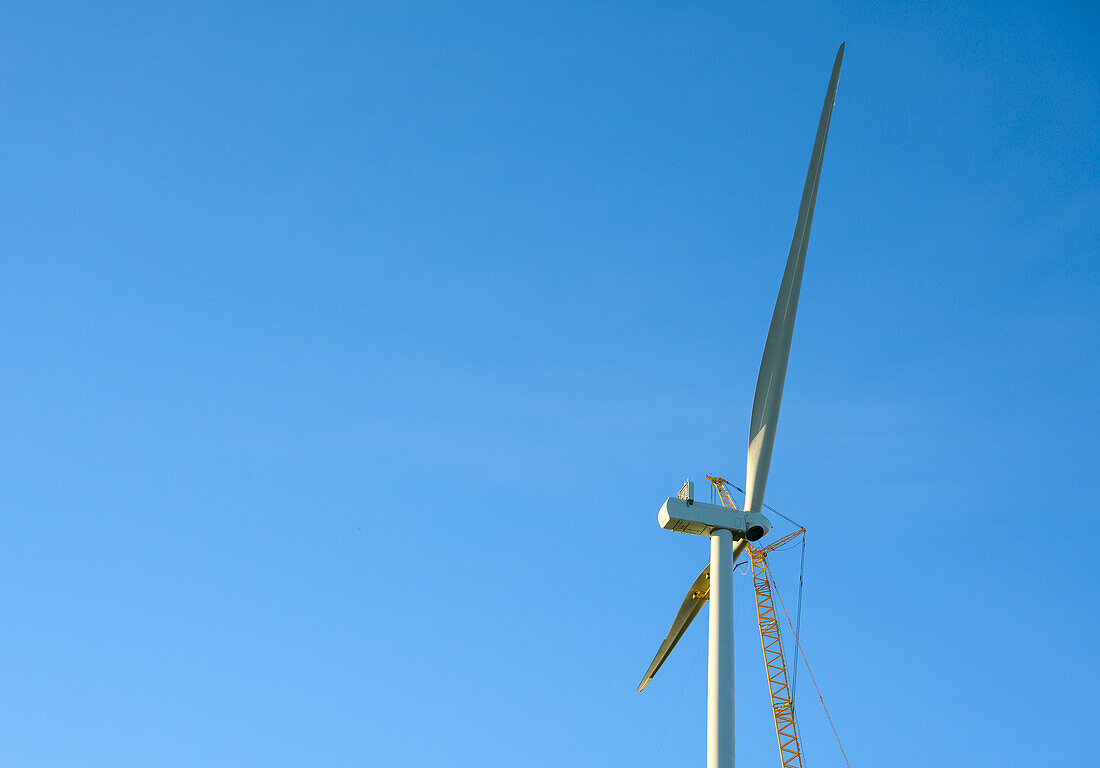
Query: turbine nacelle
x=702 y=519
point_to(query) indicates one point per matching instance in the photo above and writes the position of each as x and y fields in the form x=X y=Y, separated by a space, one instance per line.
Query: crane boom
x=719 y=484
x=786 y=730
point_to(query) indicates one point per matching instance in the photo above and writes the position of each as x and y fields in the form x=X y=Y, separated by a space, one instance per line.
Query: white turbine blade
x=773 y=365
x=689 y=609
x=697 y=596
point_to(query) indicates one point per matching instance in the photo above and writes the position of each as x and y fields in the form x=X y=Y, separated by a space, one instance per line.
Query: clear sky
x=349 y=350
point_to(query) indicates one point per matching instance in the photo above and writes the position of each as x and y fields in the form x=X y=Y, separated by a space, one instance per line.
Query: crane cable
x=766 y=505
x=672 y=716
x=801 y=571
x=798 y=621
x=805 y=661
x=795 y=629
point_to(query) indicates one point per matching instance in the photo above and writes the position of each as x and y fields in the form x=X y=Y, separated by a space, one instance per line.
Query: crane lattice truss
x=786 y=730
x=719 y=484
x=774 y=665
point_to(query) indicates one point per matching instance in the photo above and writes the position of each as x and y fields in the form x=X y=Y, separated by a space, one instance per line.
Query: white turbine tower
x=729 y=529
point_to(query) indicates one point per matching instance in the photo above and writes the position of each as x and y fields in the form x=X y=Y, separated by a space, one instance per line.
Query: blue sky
x=350 y=349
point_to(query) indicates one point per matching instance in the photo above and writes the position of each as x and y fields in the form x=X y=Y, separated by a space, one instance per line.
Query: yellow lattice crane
x=775 y=666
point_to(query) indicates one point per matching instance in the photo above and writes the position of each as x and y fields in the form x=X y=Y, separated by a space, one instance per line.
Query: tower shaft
x=720 y=722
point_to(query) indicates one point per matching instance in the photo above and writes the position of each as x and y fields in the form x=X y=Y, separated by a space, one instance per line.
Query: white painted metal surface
x=702 y=519
x=720 y=724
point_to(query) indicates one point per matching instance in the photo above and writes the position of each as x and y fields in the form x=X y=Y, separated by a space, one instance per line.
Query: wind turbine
x=730 y=529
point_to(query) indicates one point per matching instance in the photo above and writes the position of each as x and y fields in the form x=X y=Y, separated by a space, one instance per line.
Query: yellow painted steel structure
x=719 y=484
x=775 y=667
x=786 y=730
